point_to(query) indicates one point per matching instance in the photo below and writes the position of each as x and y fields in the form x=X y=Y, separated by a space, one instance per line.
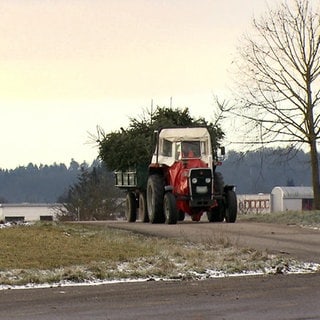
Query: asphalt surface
x=255 y=297
x=264 y=298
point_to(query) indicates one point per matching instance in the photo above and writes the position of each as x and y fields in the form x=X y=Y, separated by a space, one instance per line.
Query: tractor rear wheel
x=155 y=193
x=131 y=207
x=143 y=211
x=170 y=208
x=231 y=206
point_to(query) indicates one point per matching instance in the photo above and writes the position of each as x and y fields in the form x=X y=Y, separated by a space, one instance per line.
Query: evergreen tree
x=92 y=197
x=126 y=148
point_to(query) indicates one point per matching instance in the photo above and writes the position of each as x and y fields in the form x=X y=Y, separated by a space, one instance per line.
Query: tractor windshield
x=188 y=149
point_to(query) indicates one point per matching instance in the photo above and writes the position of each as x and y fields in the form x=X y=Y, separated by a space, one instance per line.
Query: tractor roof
x=185 y=133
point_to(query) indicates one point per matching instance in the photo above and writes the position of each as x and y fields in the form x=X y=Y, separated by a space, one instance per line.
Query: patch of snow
x=5 y=225
x=311 y=227
x=69 y=284
x=295 y=268
x=13 y=224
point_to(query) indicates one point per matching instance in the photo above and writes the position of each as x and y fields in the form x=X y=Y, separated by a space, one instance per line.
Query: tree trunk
x=315 y=175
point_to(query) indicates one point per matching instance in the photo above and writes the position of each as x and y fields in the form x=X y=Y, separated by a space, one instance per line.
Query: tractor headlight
x=194 y=180
x=208 y=180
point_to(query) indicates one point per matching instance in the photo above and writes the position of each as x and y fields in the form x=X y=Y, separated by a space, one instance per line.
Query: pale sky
x=67 y=66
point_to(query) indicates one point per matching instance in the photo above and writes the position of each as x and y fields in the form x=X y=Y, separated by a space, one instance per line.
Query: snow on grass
x=87 y=278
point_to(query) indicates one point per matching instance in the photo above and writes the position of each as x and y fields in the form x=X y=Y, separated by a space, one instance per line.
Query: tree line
x=38 y=184
x=251 y=172
x=261 y=170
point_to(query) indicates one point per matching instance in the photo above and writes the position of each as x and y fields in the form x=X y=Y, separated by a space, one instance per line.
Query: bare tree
x=279 y=85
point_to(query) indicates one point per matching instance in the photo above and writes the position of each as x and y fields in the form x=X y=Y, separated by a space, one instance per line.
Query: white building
x=28 y=211
x=291 y=198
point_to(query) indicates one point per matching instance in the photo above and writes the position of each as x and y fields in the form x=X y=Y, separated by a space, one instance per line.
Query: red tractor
x=181 y=179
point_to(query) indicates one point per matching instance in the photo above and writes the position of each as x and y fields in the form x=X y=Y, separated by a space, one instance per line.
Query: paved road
x=264 y=298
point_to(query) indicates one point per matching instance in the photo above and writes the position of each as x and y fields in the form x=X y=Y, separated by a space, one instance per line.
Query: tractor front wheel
x=131 y=207
x=155 y=194
x=231 y=206
x=170 y=209
x=217 y=214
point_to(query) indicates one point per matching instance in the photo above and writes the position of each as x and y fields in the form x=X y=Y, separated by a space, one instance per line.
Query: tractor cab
x=176 y=144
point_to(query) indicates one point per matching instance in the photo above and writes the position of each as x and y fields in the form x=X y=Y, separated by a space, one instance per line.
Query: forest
x=250 y=172
x=260 y=171
x=38 y=184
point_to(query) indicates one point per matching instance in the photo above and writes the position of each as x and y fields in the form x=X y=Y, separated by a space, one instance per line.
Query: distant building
x=291 y=198
x=254 y=203
x=28 y=211
x=280 y=199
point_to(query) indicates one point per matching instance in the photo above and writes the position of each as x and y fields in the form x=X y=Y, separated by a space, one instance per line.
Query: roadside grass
x=301 y=218
x=58 y=253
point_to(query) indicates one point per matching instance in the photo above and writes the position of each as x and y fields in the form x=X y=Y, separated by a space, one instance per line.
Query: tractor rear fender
x=155 y=169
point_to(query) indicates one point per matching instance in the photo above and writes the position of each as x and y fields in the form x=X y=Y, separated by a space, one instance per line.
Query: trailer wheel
x=217 y=214
x=155 y=193
x=131 y=207
x=231 y=206
x=143 y=210
x=170 y=209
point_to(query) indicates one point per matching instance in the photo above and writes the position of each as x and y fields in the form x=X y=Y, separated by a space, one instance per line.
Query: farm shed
x=291 y=198
x=28 y=211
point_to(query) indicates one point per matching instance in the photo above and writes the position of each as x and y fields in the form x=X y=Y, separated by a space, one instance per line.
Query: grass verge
x=301 y=218
x=57 y=253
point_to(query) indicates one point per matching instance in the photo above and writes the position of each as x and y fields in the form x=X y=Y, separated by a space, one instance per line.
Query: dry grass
x=303 y=218
x=47 y=246
x=53 y=253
